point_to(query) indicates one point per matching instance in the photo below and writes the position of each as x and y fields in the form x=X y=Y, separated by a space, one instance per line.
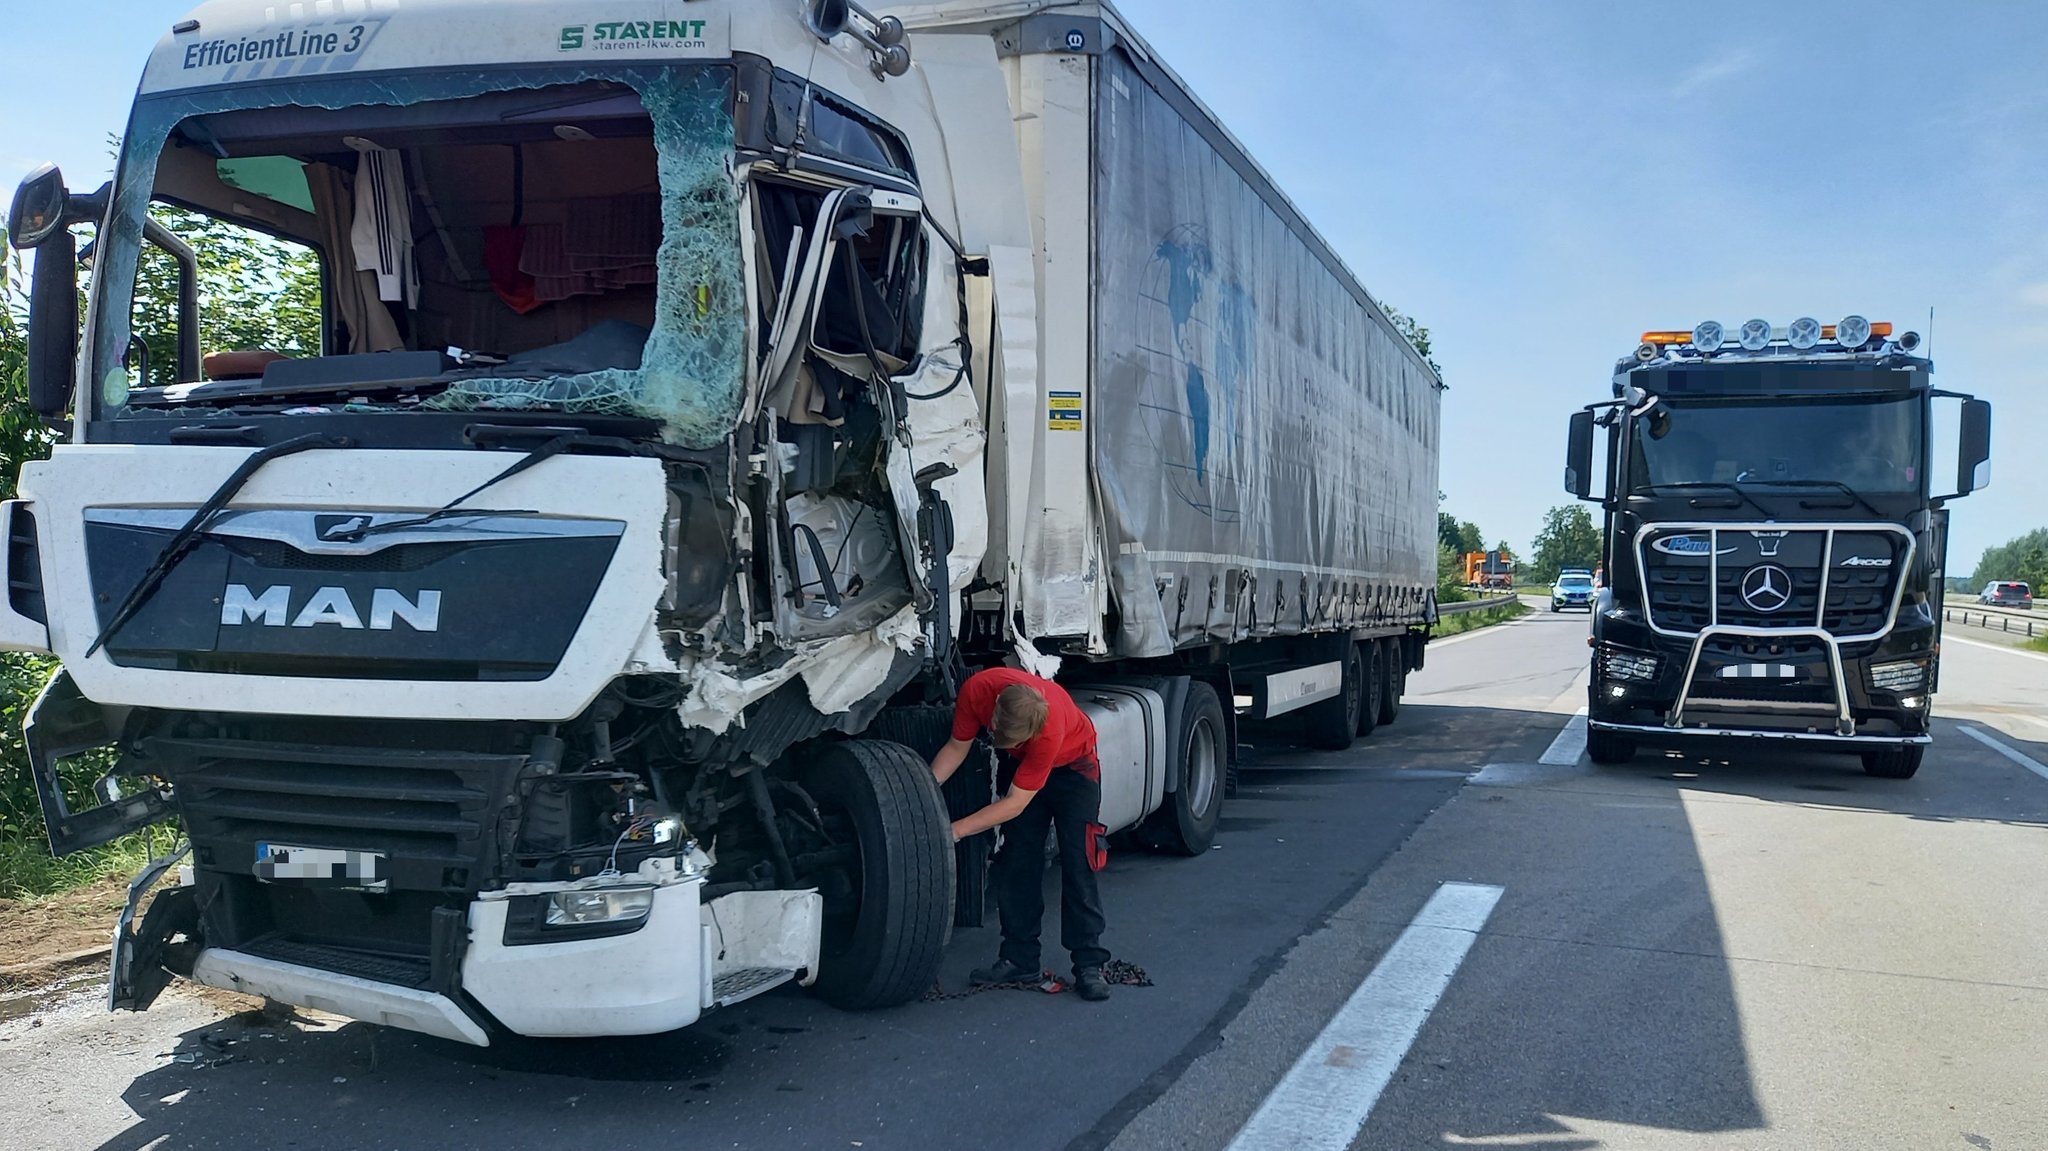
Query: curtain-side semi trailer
x=549 y=635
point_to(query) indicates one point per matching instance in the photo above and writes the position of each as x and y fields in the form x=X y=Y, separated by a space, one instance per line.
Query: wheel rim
x=1354 y=688
x=1201 y=765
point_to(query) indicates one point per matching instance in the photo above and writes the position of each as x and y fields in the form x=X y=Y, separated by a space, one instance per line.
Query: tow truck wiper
x=1838 y=485
x=1706 y=485
x=185 y=537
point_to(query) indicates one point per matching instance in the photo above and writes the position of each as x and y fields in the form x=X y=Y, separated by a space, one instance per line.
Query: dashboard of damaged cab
x=475 y=258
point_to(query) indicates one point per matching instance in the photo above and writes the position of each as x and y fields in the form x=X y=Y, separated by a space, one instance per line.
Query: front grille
x=433 y=814
x=376 y=966
x=1840 y=580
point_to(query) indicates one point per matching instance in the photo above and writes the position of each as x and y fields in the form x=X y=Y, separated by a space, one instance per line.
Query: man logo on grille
x=1767 y=588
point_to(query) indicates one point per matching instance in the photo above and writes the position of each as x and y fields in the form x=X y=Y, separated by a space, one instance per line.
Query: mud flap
x=64 y=723
x=145 y=956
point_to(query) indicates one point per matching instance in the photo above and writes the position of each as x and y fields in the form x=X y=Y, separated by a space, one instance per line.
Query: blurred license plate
x=363 y=870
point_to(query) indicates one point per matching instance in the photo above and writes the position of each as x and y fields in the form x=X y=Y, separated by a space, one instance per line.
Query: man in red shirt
x=1049 y=777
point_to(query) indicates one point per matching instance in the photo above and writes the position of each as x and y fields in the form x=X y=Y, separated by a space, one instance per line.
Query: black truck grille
x=432 y=815
x=1843 y=581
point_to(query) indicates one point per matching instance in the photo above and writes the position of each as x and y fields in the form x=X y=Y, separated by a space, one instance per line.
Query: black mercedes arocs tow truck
x=1774 y=543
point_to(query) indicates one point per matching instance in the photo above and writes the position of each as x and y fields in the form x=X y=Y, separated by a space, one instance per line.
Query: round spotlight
x=1755 y=335
x=1910 y=341
x=1853 y=332
x=1646 y=352
x=1709 y=336
x=1804 y=333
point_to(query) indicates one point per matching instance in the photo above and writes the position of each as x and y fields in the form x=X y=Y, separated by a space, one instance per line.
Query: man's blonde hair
x=1020 y=714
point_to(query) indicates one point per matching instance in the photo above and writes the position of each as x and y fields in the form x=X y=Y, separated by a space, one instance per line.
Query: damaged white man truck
x=554 y=643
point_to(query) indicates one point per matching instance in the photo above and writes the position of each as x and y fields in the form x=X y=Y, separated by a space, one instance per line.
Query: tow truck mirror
x=1578 y=456
x=1973 y=452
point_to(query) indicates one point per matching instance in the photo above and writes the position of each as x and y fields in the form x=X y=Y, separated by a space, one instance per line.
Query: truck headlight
x=1628 y=665
x=598 y=905
x=1903 y=675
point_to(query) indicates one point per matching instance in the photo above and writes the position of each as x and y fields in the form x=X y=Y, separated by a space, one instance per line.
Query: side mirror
x=1973 y=452
x=40 y=204
x=1578 y=456
x=53 y=325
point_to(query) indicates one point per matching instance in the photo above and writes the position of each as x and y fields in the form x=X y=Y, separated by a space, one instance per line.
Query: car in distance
x=1573 y=589
x=2007 y=593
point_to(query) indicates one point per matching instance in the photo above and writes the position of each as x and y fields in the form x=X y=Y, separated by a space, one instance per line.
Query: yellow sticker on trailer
x=1063 y=411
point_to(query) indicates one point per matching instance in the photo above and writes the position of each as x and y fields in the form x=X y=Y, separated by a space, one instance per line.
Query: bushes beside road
x=1471 y=620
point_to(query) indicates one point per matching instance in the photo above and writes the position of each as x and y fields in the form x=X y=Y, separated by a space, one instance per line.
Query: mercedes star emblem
x=1767 y=588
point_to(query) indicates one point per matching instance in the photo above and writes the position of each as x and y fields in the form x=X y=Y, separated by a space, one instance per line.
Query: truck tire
x=925 y=730
x=1375 y=666
x=1894 y=762
x=883 y=941
x=1608 y=749
x=1393 y=680
x=1186 y=823
x=1335 y=722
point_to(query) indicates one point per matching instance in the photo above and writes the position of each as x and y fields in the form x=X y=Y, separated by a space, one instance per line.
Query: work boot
x=1002 y=971
x=1090 y=985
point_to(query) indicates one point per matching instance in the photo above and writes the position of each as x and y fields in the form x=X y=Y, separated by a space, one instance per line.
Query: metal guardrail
x=1479 y=604
x=2008 y=622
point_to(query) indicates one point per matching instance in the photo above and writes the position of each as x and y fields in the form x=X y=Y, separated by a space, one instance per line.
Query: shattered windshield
x=1872 y=445
x=555 y=240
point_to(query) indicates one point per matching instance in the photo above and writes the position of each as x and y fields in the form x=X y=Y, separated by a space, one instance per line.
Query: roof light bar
x=1758 y=334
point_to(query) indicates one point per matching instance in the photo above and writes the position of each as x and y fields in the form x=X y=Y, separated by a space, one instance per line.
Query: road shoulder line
x=2018 y=757
x=1324 y=1099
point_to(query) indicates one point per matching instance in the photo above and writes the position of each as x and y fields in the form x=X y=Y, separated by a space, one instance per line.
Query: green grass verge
x=1470 y=620
x=2038 y=643
x=28 y=870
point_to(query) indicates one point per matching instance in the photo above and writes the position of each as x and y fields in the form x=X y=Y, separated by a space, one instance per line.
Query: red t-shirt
x=1066 y=740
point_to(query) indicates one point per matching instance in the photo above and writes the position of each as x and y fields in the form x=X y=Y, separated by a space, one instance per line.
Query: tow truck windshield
x=1864 y=445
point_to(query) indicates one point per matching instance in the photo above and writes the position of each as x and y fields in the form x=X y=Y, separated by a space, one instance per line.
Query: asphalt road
x=1775 y=952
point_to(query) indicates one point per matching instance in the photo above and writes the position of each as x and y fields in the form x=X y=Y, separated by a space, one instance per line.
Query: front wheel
x=1185 y=823
x=1894 y=762
x=887 y=925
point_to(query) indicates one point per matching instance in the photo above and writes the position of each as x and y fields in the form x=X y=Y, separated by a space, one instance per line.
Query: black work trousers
x=1068 y=803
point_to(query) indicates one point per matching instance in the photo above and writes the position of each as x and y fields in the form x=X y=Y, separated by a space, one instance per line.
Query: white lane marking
x=2024 y=760
x=1946 y=638
x=1323 y=1101
x=1564 y=750
x=1480 y=633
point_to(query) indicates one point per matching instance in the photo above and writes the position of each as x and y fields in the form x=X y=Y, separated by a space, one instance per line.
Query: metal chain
x=1115 y=971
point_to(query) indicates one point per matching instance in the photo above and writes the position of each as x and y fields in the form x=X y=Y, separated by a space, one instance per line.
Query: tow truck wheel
x=1186 y=823
x=887 y=926
x=1607 y=748
x=1894 y=762
x=1393 y=680
x=1334 y=723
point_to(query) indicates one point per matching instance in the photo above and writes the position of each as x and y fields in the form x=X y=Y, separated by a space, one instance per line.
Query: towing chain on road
x=1115 y=971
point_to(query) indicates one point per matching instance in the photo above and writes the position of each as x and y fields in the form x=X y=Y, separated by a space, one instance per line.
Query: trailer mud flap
x=64 y=723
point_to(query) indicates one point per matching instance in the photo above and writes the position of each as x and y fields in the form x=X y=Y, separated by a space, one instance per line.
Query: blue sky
x=1539 y=182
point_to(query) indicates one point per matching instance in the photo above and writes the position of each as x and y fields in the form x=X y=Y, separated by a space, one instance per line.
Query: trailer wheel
x=1607 y=748
x=1186 y=823
x=1375 y=666
x=1394 y=680
x=885 y=931
x=1894 y=762
x=1335 y=722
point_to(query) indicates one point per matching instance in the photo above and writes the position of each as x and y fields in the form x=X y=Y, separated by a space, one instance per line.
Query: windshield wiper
x=546 y=451
x=184 y=538
x=1838 y=485
x=1706 y=485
